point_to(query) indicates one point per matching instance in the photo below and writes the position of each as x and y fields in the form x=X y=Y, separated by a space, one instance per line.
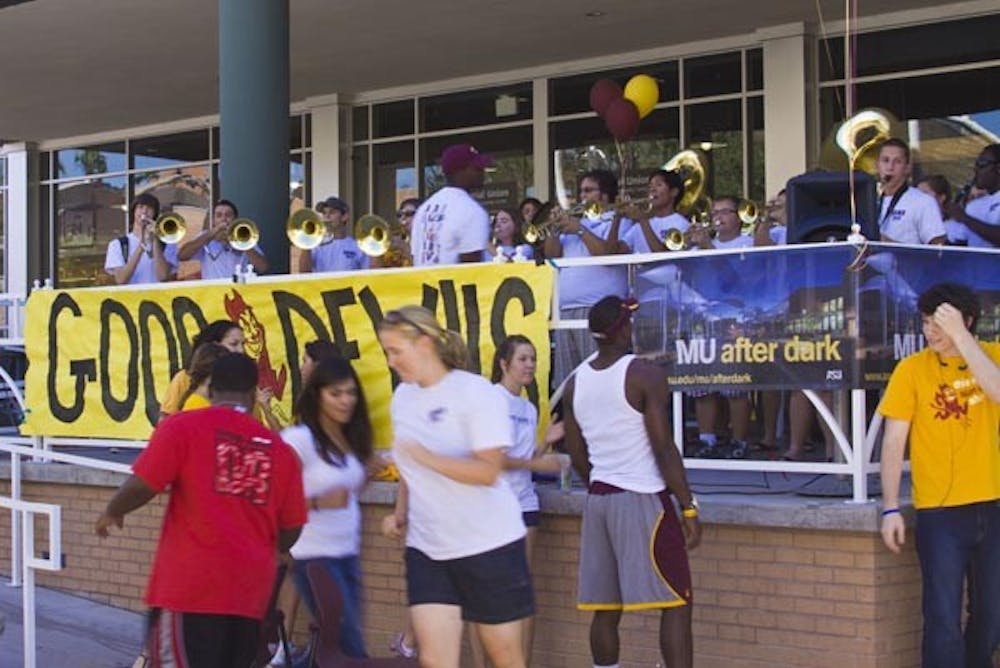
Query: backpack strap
x=123 y=242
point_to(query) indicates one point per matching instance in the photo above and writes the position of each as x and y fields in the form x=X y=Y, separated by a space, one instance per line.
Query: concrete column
x=788 y=103
x=22 y=252
x=253 y=111
x=326 y=144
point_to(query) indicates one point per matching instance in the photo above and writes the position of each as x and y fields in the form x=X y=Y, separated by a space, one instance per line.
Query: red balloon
x=602 y=94
x=622 y=119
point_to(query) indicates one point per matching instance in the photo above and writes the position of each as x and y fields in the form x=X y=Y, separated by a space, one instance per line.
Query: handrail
x=24 y=563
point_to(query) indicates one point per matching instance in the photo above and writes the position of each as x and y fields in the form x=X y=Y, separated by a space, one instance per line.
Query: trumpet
x=243 y=234
x=634 y=209
x=374 y=234
x=306 y=229
x=169 y=227
x=674 y=239
x=550 y=215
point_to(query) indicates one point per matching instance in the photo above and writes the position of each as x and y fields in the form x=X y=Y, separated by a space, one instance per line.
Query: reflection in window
x=395 y=176
x=713 y=75
x=476 y=107
x=755 y=149
x=717 y=129
x=100 y=159
x=392 y=119
x=169 y=150
x=584 y=144
x=509 y=178
x=89 y=214
x=185 y=191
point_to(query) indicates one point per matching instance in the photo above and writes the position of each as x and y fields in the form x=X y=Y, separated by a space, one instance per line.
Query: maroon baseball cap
x=460 y=156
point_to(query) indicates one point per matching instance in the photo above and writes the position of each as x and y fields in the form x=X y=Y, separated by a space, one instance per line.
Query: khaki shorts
x=632 y=552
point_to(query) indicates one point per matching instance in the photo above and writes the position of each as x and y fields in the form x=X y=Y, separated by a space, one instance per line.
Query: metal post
x=859 y=462
x=16 y=538
x=28 y=592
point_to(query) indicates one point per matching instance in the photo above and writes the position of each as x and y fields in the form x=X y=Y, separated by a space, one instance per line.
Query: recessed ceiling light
x=595 y=14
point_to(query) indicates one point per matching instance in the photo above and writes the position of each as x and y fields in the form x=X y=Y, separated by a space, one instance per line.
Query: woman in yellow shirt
x=200 y=374
x=224 y=332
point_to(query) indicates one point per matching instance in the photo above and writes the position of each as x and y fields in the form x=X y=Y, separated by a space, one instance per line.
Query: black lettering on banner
x=450 y=298
x=148 y=310
x=84 y=370
x=334 y=300
x=513 y=289
x=471 y=301
x=429 y=298
x=369 y=302
x=118 y=410
x=185 y=307
x=285 y=303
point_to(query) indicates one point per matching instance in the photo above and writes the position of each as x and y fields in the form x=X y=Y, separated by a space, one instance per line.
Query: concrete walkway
x=70 y=632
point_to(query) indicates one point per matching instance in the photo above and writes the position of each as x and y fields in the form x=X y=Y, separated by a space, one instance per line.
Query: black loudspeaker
x=819 y=206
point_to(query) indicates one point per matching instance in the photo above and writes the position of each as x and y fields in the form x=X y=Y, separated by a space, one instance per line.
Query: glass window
x=296 y=181
x=359 y=123
x=755 y=150
x=571 y=95
x=169 y=150
x=3 y=172
x=295 y=132
x=713 y=75
x=186 y=192
x=583 y=144
x=755 y=69
x=307 y=122
x=45 y=165
x=717 y=129
x=392 y=119
x=395 y=176
x=89 y=214
x=929 y=45
x=478 y=107
x=359 y=168
x=86 y=160
x=947 y=118
x=509 y=178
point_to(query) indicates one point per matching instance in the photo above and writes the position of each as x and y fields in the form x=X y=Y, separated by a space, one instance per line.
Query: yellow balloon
x=643 y=92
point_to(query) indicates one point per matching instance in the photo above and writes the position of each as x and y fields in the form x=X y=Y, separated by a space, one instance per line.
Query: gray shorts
x=632 y=552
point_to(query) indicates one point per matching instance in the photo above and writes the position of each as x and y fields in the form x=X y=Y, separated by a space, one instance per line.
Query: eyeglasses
x=984 y=162
x=722 y=212
x=405 y=214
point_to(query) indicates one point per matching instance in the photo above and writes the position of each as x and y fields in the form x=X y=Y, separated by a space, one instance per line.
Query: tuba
x=305 y=229
x=858 y=139
x=243 y=234
x=170 y=228
x=691 y=165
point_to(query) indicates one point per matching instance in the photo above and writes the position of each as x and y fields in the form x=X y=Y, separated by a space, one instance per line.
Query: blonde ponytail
x=452 y=350
x=419 y=321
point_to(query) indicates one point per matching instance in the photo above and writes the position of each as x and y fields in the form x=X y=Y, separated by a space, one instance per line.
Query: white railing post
x=15 y=520
x=859 y=464
x=28 y=592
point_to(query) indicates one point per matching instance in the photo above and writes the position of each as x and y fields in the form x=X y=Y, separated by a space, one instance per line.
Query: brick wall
x=763 y=596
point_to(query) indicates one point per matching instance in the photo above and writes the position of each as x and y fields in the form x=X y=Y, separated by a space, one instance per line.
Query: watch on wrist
x=691 y=509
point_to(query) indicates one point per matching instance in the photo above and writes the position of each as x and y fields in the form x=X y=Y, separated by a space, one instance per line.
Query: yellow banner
x=100 y=360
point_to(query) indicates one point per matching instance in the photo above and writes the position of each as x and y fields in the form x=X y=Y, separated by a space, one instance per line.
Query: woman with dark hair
x=507 y=242
x=465 y=556
x=528 y=207
x=224 y=332
x=334 y=443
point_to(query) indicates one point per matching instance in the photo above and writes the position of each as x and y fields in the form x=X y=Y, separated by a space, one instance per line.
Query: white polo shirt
x=636 y=240
x=915 y=219
x=339 y=255
x=145 y=270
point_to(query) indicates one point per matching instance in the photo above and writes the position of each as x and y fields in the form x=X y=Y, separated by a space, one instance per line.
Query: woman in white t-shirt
x=506 y=243
x=465 y=547
x=334 y=443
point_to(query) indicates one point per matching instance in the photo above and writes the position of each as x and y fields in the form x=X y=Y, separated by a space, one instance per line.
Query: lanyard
x=892 y=203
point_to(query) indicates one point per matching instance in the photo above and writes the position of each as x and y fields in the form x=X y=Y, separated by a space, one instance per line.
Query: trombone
x=306 y=229
x=169 y=227
x=242 y=235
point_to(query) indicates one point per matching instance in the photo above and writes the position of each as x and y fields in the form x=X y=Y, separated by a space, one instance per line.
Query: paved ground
x=71 y=632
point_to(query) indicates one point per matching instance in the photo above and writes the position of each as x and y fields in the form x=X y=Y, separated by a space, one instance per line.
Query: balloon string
x=622 y=171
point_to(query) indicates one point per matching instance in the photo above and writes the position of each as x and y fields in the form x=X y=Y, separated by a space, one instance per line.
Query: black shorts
x=532 y=518
x=202 y=640
x=491 y=588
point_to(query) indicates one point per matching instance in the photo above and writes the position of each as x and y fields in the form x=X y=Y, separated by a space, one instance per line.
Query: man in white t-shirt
x=906 y=215
x=982 y=215
x=339 y=251
x=727 y=224
x=649 y=232
x=139 y=257
x=451 y=227
x=211 y=248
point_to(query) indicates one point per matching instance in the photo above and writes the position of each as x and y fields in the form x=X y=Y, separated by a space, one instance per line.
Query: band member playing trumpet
x=339 y=251
x=399 y=254
x=772 y=229
x=655 y=219
x=211 y=248
x=727 y=226
x=139 y=257
x=906 y=215
x=582 y=287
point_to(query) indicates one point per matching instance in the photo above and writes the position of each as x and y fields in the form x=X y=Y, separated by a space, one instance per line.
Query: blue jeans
x=952 y=542
x=346 y=572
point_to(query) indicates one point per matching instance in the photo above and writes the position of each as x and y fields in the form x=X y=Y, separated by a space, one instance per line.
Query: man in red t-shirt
x=235 y=501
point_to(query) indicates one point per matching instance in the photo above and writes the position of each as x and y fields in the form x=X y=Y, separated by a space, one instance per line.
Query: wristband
x=890 y=511
x=689 y=513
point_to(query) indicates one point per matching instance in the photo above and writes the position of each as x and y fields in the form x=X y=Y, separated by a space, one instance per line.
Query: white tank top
x=617 y=442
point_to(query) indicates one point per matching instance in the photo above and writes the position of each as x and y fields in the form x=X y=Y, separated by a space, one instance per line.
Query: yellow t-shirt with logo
x=195 y=401
x=954 y=428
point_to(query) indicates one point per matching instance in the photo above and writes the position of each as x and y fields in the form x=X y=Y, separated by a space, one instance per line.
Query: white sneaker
x=279 y=660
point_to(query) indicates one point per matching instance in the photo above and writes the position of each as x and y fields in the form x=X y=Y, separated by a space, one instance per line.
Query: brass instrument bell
x=691 y=165
x=170 y=228
x=243 y=234
x=674 y=239
x=306 y=229
x=749 y=214
x=373 y=234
